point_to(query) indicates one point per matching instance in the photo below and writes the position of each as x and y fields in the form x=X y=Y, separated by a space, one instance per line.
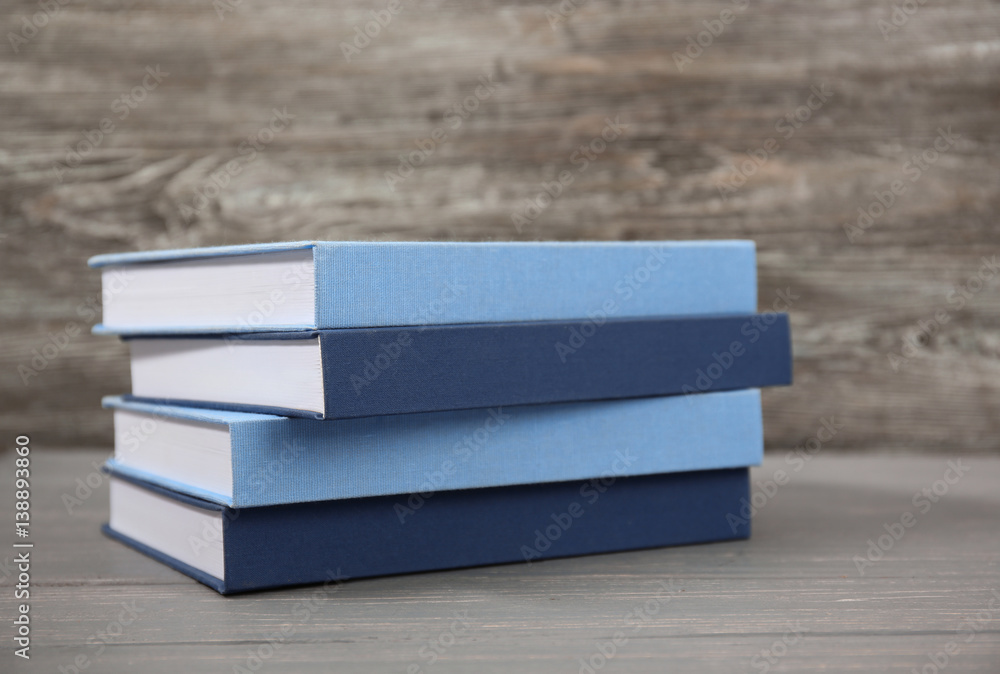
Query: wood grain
x=324 y=175
x=723 y=604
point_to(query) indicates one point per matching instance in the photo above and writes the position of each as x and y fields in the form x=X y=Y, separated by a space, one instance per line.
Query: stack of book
x=309 y=411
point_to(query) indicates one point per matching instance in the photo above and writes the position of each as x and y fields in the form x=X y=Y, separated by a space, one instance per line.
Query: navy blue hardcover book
x=257 y=548
x=346 y=373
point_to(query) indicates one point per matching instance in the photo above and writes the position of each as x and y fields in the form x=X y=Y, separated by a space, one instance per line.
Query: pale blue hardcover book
x=327 y=285
x=247 y=460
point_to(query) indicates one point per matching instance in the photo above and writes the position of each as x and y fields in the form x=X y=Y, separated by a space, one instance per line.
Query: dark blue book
x=257 y=548
x=346 y=373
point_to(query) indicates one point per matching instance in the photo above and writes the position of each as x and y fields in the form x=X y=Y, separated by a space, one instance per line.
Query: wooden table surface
x=790 y=599
x=232 y=62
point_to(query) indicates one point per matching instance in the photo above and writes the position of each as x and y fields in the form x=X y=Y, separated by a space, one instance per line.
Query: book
x=308 y=285
x=355 y=372
x=251 y=460
x=239 y=550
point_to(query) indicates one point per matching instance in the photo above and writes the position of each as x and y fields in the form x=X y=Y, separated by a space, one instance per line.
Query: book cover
x=265 y=460
x=327 y=285
x=332 y=541
x=381 y=371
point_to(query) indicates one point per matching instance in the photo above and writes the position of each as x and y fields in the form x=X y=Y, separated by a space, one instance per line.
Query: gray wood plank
x=707 y=608
x=323 y=177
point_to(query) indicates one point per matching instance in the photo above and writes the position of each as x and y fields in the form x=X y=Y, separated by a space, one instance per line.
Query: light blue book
x=309 y=285
x=245 y=460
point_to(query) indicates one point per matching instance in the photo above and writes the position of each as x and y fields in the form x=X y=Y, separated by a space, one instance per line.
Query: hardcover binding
x=279 y=460
x=318 y=542
x=379 y=284
x=398 y=371
x=382 y=371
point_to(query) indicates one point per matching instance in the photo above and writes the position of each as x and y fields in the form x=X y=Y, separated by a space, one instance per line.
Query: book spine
x=378 y=286
x=432 y=368
x=291 y=460
x=334 y=541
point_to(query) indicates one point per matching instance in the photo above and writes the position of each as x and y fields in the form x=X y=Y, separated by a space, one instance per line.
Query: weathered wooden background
x=226 y=66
